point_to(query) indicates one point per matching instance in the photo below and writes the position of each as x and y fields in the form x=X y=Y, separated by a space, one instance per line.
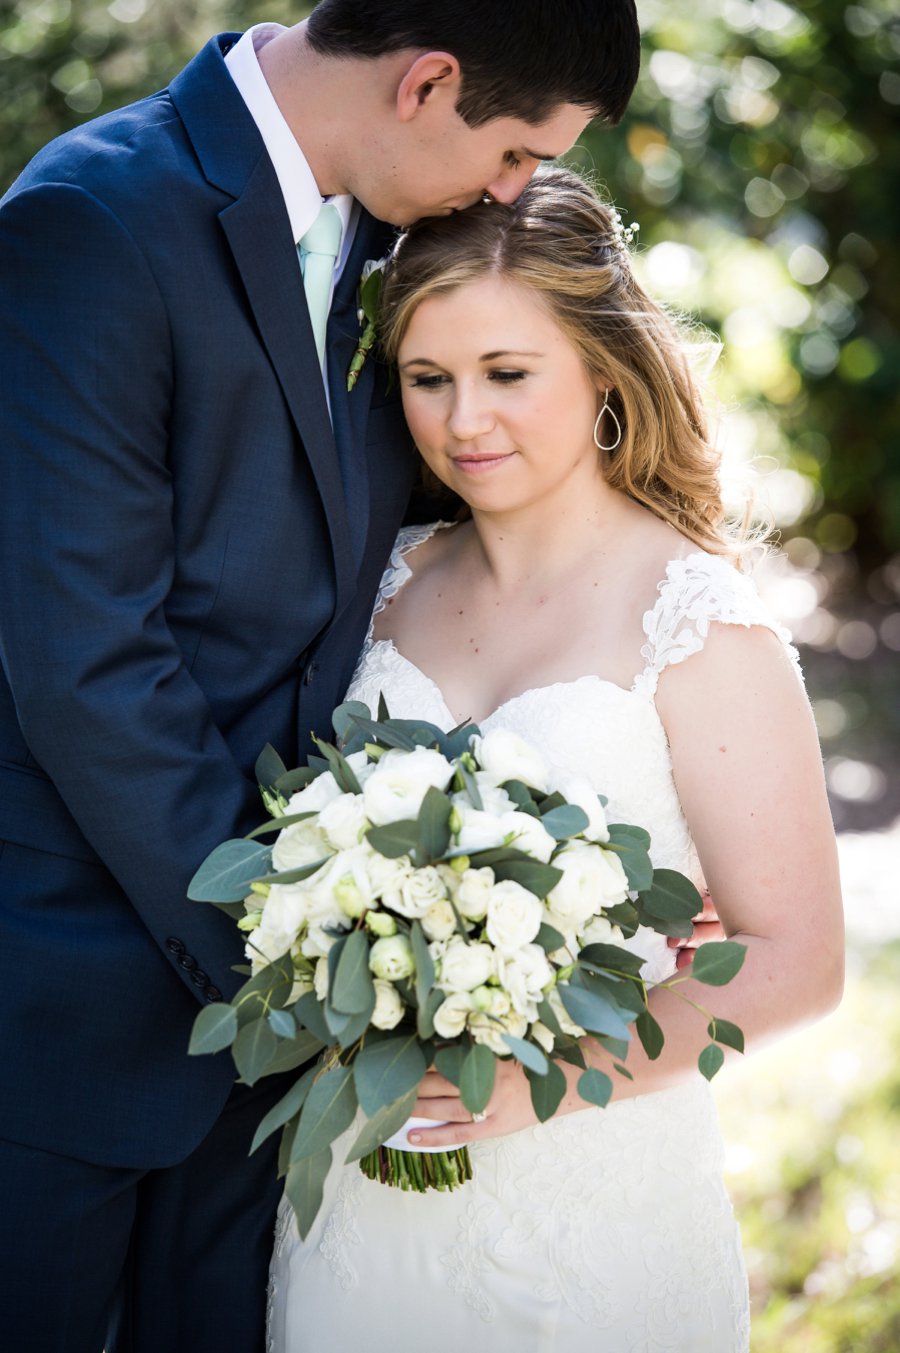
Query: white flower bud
x=392 y=958
x=388 y=1010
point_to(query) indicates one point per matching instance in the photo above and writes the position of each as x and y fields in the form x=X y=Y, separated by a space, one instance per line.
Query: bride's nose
x=470 y=415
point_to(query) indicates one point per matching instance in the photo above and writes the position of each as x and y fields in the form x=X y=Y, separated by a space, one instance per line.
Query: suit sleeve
x=87 y=558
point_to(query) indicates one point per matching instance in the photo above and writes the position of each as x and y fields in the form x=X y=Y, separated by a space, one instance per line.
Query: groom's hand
x=706 y=927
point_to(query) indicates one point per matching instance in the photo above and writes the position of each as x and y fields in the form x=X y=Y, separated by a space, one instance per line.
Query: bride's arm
x=749 y=774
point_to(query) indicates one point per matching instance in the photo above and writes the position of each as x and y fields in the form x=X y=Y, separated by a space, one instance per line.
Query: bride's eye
x=431 y=382
x=507 y=377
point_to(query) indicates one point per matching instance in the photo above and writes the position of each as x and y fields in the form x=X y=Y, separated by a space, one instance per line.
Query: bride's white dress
x=606 y=1231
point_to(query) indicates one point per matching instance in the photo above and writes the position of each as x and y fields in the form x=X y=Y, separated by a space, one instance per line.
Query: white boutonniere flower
x=370 y=284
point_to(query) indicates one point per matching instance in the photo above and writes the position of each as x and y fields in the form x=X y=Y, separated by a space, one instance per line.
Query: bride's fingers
x=434 y=1085
x=442 y=1110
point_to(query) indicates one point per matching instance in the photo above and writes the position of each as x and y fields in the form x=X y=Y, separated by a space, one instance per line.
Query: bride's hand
x=508 y=1110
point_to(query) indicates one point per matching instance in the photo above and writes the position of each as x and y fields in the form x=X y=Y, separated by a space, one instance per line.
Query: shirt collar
x=295 y=178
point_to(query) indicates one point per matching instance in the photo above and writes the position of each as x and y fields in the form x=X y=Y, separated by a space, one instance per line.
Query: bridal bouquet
x=433 y=899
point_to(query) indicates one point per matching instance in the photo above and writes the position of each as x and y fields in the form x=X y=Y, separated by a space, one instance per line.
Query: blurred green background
x=761 y=157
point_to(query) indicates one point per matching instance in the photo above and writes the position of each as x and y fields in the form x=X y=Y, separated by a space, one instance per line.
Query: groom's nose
x=510 y=182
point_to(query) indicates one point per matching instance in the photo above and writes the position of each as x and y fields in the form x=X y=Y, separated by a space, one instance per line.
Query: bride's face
x=498 y=400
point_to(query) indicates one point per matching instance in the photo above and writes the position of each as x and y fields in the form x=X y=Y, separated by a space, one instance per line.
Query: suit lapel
x=257 y=228
x=350 y=410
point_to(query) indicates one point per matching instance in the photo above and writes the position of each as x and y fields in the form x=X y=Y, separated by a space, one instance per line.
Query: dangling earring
x=607 y=408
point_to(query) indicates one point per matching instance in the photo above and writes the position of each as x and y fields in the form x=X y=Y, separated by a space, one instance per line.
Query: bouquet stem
x=418 y=1171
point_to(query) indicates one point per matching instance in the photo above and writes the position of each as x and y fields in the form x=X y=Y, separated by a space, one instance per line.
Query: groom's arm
x=87 y=556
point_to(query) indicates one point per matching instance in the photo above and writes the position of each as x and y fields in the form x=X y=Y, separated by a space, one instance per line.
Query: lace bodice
x=612 y=735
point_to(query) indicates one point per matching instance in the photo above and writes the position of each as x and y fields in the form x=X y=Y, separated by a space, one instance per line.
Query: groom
x=195 y=517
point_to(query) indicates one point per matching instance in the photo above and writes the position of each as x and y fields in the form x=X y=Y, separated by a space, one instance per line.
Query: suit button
x=199 y=978
x=186 y=962
x=175 y=946
x=212 y=994
x=310 y=673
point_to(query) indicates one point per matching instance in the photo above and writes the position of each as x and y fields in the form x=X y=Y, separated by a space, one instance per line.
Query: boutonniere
x=370 y=284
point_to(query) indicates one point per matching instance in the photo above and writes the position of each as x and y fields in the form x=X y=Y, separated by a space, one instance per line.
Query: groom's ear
x=432 y=77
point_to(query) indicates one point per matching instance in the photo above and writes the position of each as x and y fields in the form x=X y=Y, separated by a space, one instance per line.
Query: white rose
x=615 y=880
x=514 y=916
x=392 y=958
x=417 y=893
x=320 y=979
x=284 y=916
x=493 y=798
x=450 y=1017
x=529 y=835
x=506 y=756
x=473 y=892
x=476 y=830
x=577 y=896
x=344 y=821
x=465 y=966
x=315 y=796
x=524 y=976
x=578 y=790
x=488 y=1030
x=491 y=1001
x=380 y=923
x=297 y=846
x=398 y=784
x=601 y=931
x=562 y=1015
x=388 y=1010
x=386 y=876
x=543 y=1036
x=317 y=941
x=361 y=766
x=439 y=921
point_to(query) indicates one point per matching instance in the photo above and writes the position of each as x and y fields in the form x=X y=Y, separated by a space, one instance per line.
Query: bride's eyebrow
x=507 y=352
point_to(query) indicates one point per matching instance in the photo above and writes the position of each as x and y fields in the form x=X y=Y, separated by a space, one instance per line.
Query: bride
x=591 y=600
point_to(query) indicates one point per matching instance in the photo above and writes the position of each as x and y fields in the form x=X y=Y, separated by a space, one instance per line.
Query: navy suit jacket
x=188 y=558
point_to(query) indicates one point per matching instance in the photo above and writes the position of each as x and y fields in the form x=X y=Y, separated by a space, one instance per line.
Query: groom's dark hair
x=519 y=58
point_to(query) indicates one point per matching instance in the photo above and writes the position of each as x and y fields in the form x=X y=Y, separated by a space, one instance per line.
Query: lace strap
x=696 y=591
x=398 y=571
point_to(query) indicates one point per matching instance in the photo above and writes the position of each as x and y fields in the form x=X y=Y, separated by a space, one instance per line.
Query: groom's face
x=451 y=165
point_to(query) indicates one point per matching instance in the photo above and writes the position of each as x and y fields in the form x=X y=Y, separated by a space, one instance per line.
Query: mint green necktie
x=319 y=249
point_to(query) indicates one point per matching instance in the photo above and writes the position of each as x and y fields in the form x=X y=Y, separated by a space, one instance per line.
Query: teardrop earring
x=607 y=408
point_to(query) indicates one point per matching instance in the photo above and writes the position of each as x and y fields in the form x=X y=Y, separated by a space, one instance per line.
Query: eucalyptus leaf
x=671 y=896
x=284 y=1146
x=710 y=1060
x=383 y=734
x=342 y=720
x=592 y=1011
x=680 y=929
x=623 y=915
x=453 y=744
x=395 y=839
x=339 y=767
x=426 y=1013
x=381 y=1126
x=569 y=1050
x=546 y=1091
x=305 y=1186
x=434 y=825
x=717 y=963
x=329 y=1109
x=282 y=1023
x=269 y=767
x=357 y=1024
x=423 y=960
x=387 y=1071
x=214 y=1028
x=650 y=1034
x=277 y=824
x=253 y=1048
x=566 y=821
x=730 y=1035
x=449 y=1062
x=286 y=1107
x=227 y=872
x=549 y=938
x=538 y=878
x=476 y=1081
x=308 y=1011
x=632 y=844
x=352 y=990
x=612 y=956
x=528 y=1054
x=269 y=990
x=294 y=1052
x=295 y=780
x=521 y=796
x=595 y=1087
x=285 y=876
x=472 y=789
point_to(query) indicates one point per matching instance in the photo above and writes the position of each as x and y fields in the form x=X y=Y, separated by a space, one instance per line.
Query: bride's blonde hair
x=562 y=242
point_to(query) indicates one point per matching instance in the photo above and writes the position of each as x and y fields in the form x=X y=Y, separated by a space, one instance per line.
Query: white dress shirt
x=295 y=178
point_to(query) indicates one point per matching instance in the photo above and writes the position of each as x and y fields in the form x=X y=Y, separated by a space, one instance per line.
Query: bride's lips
x=482 y=462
